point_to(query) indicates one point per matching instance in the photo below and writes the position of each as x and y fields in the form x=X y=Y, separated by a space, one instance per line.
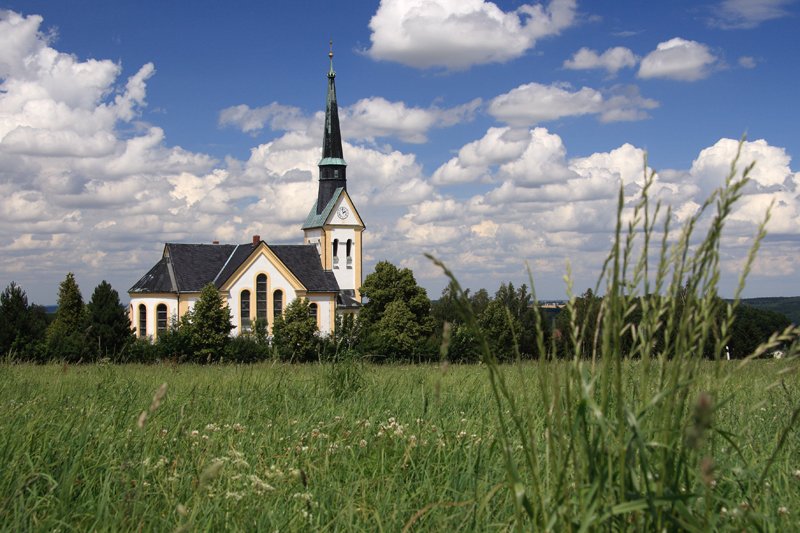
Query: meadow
x=306 y=447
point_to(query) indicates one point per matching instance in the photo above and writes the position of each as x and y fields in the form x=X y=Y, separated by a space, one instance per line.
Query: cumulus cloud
x=746 y=14
x=678 y=59
x=612 y=60
x=367 y=119
x=456 y=34
x=545 y=207
x=534 y=103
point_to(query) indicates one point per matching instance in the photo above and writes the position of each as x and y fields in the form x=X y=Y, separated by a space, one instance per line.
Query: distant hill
x=786 y=305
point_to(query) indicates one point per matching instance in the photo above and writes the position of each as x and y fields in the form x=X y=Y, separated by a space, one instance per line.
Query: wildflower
x=315 y=433
x=797 y=474
x=182 y=510
x=205 y=437
x=783 y=511
x=362 y=443
x=194 y=433
x=237 y=427
x=234 y=495
x=212 y=427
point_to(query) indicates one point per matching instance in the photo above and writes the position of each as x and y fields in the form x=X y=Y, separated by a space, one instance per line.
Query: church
x=258 y=280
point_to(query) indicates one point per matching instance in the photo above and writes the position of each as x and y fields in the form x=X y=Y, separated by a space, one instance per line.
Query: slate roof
x=303 y=261
x=157 y=279
x=313 y=220
x=196 y=265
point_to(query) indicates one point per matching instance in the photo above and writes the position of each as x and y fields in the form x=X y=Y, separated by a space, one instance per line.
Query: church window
x=142 y=320
x=261 y=297
x=277 y=304
x=161 y=318
x=349 y=247
x=245 y=310
x=312 y=311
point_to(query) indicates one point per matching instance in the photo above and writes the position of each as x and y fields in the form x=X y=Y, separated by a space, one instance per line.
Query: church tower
x=333 y=224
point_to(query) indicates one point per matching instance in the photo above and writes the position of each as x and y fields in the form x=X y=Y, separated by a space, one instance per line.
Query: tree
x=501 y=329
x=388 y=285
x=21 y=325
x=207 y=326
x=294 y=333
x=109 y=327
x=66 y=336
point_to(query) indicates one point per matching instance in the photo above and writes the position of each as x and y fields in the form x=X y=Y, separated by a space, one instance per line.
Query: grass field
x=280 y=447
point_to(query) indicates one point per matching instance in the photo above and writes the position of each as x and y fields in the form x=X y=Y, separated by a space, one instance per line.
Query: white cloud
x=678 y=59
x=534 y=103
x=747 y=62
x=745 y=14
x=612 y=60
x=456 y=34
x=367 y=119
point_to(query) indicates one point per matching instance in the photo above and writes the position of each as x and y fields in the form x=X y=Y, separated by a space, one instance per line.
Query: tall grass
x=642 y=451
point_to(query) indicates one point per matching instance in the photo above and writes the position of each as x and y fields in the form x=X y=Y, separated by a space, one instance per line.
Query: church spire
x=332 y=165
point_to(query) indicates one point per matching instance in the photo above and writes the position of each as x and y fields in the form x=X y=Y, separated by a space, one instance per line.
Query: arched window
x=349 y=247
x=244 y=310
x=261 y=297
x=312 y=311
x=335 y=253
x=161 y=318
x=277 y=304
x=142 y=320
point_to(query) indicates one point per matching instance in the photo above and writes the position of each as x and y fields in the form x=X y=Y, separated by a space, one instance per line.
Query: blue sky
x=489 y=134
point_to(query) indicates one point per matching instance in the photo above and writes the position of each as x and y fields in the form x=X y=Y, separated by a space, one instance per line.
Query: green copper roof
x=314 y=220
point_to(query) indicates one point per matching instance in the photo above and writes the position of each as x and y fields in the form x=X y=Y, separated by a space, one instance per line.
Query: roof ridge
x=214 y=281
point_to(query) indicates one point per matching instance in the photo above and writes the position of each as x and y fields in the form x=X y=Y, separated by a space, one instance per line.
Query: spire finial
x=331 y=73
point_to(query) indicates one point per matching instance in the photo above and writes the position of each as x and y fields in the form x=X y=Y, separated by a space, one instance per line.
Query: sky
x=494 y=136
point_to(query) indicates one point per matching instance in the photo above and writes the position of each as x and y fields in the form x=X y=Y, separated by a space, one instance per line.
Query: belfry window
x=277 y=304
x=245 y=310
x=261 y=297
x=335 y=253
x=142 y=320
x=161 y=318
x=349 y=249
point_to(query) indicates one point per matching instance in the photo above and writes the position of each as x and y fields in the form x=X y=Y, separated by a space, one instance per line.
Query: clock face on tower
x=342 y=212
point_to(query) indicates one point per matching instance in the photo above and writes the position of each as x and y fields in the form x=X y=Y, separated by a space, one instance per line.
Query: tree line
x=398 y=322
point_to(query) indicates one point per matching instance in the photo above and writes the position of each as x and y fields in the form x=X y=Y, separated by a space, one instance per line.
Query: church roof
x=189 y=267
x=315 y=220
x=157 y=279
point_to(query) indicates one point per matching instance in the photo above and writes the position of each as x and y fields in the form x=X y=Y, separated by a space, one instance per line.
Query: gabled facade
x=257 y=280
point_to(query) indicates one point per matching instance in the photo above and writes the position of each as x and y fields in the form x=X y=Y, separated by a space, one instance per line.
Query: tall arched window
x=142 y=320
x=161 y=318
x=312 y=311
x=277 y=304
x=349 y=247
x=335 y=253
x=244 y=310
x=261 y=297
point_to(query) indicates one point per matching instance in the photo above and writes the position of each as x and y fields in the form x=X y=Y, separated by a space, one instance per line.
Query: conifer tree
x=207 y=325
x=109 y=327
x=66 y=336
x=21 y=325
